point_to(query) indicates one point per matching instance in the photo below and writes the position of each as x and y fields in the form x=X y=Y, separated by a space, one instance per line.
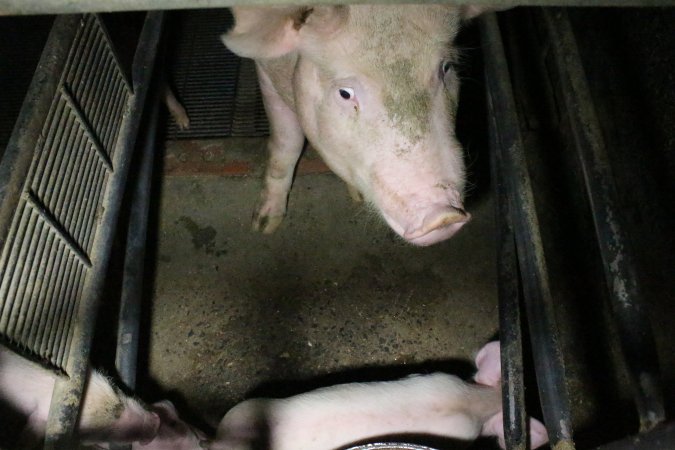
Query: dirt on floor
x=332 y=291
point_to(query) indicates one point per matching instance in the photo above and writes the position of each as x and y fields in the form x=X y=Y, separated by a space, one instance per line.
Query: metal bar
x=548 y=360
x=630 y=313
x=661 y=437
x=128 y=328
x=13 y=7
x=513 y=386
x=65 y=402
x=134 y=261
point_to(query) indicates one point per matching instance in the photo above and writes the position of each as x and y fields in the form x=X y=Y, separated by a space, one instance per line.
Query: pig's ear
x=264 y=32
x=468 y=12
x=271 y=32
x=322 y=22
x=489 y=365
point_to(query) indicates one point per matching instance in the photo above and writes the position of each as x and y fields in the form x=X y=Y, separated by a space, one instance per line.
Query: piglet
x=439 y=405
x=107 y=416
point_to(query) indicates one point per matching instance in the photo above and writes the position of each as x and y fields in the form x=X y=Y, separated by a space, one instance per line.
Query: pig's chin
x=435 y=236
x=426 y=236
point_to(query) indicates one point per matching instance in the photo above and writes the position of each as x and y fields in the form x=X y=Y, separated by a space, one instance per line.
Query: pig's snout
x=438 y=223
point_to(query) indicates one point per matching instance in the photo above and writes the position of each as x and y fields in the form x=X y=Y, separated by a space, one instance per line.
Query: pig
x=439 y=404
x=374 y=90
x=107 y=415
x=176 y=108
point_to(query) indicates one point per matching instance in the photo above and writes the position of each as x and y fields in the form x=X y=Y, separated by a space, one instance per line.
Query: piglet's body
x=107 y=415
x=329 y=418
x=438 y=405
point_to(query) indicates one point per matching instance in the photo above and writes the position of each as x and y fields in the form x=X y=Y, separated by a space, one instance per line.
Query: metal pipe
x=128 y=327
x=134 y=260
x=513 y=387
x=17 y=7
x=65 y=403
x=548 y=360
x=630 y=314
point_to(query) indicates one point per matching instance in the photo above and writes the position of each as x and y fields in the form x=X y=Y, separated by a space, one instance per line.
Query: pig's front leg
x=176 y=109
x=284 y=147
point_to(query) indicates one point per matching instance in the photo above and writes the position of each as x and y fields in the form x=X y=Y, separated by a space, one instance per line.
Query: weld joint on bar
x=47 y=216
x=88 y=130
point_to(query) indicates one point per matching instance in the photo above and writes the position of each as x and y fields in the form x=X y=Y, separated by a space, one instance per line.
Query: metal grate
x=46 y=256
x=218 y=89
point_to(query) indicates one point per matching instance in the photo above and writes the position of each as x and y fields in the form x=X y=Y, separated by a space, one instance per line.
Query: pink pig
x=335 y=417
x=374 y=90
x=107 y=415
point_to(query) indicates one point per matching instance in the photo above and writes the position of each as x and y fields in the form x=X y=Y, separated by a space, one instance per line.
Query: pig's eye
x=444 y=68
x=346 y=93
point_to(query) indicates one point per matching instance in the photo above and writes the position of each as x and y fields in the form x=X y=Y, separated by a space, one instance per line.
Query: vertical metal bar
x=65 y=402
x=548 y=360
x=513 y=386
x=635 y=332
x=134 y=261
x=126 y=356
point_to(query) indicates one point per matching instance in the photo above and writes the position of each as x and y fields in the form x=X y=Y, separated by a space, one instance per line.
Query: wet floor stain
x=203 y=238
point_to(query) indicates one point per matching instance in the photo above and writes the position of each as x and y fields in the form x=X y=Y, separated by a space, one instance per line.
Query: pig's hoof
x=355 y=194
x=180 y=117
x=266 y=224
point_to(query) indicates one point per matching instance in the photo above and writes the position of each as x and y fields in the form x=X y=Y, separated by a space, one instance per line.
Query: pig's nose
x=439 y=223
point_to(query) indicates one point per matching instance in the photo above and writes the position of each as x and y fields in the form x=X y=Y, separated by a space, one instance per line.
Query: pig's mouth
x=439 y=223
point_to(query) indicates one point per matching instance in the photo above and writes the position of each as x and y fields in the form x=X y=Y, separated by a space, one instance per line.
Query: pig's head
x=375 y=90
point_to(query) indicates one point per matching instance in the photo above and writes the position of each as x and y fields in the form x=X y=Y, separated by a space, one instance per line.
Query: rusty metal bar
x=630 y=314
x=513 y=387
x=15 y=7
x=548 y=361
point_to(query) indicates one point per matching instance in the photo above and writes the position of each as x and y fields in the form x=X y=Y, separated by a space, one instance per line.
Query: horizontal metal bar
x=16 y=7
x=630 y=312
x=660 y=438
x=548 y=361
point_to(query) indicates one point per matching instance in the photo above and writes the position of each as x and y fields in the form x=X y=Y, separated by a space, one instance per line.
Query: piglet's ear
x=489 y=365
x=270 y=32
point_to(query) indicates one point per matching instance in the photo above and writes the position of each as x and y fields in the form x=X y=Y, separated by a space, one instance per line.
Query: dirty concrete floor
x=332 y=290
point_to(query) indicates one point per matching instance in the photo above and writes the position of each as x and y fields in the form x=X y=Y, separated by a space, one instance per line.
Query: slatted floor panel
x=218 y=89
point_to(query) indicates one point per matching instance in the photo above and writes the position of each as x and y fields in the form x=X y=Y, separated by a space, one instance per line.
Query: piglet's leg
x=175 y=108
x=488 y=363
x=284 y=147
x=108 y=415
x=173 y=433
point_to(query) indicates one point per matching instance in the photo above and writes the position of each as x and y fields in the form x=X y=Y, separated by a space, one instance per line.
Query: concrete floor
x=333 y=290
